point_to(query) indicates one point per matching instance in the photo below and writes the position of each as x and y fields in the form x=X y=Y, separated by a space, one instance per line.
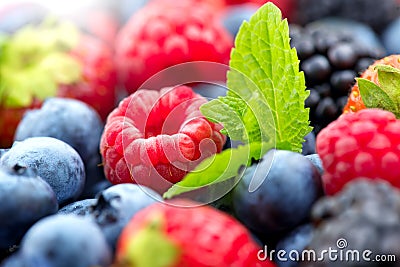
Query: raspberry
x=166 y=33
x=354 y=101
x=154 y=134
x=194 y=237
x=361 y=144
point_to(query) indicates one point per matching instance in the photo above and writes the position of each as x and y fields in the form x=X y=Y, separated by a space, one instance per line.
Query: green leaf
x=374 y=96
x=263 y=108
x=265 y=79
x=232 y=117
x=219 y=168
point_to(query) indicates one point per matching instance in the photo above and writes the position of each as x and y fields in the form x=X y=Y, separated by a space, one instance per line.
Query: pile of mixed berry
x=200 y=133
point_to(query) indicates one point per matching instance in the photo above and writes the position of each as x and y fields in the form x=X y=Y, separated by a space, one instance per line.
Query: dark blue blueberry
x=391 y=37
x=25 y=198
x=316 y=160
x=293 y=244
x=209 y=90
x=17 y=15
x=308 y=146
x=3 y=151
x=96 y=188
x=73 y=122
x=65 y=241
x=56 y=162
x=14 y=261
x=234 y=16
x=276 y=195
x=82 y=207
x=116 y=205
x=128 y=7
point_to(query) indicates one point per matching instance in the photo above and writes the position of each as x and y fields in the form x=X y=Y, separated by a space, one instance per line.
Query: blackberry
x=332 y=53
x=376 y=14
x=364 y=216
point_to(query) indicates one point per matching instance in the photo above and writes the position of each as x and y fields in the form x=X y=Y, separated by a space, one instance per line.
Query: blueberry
x=81 y=207
x=116 y=205
x=73 y=122
x=308 y=146
x=234 y=16
x=316 y=160
x=96 y=188
x=13 y=261
x=3 y=151
x=209 y=90
x=293 y=244
x=25 y=198
x=55 y=161
x=65 y=241
x=17 y=15
x=391 y=37
x=128 y=7
x=289 y=186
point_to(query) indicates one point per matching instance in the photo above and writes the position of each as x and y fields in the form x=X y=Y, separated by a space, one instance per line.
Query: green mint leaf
x=232 y=117
x=374 y=96
x=223 y=167
x=264 y=76
x=263 y=108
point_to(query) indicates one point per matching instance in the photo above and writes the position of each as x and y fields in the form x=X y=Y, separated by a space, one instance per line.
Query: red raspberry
x=167 y=33
x=362 y=144
x=199 y=236
x=158 y=134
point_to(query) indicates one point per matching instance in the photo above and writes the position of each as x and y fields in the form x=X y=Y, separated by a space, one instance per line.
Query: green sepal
x=151 y=247
x=389 y=80
x=374 y=97
x=35 y=61
x=386 y=95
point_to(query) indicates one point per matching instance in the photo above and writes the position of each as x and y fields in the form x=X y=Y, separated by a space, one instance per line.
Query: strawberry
x=362 y=144
x=182 y=233
x=98 y=81
x=157 y=135
x=52 y=59
x=355 y=102
x=9 y=120
x=167 y=33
